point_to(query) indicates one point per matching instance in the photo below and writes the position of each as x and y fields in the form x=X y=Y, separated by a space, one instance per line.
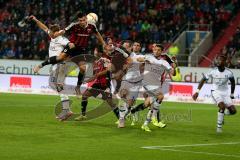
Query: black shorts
x=97 y=89
x=76 y=51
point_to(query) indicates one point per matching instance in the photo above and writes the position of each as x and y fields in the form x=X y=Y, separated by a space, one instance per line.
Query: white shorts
x=152 y=90
x=58 y=73
x=222 y=97
x=132 y=88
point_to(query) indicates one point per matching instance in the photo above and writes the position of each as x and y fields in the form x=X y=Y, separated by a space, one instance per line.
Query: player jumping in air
x=58 y=71
x=80 y=33
x=220 y=94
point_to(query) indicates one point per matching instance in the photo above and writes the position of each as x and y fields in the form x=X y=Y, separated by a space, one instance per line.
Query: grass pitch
x=29 y=131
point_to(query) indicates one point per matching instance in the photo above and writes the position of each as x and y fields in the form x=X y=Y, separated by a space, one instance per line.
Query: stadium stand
x=148 y=21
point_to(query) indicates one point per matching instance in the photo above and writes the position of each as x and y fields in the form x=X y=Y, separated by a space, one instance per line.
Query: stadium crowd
x=147 y=20
x=232 y=50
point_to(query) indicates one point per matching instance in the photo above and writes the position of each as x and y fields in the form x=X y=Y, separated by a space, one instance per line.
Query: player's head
x=221 y=60
x=127 y=45
x=108 y=49
x=157 y=51
x=136 y=47
x=109 y=40
x=82 y=18
x=98 y=51
x=153 y=46
x=53 y=29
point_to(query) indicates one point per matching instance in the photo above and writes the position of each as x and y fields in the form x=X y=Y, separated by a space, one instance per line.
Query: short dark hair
x=160 y=46
x=224 y=56
x=54 y=27
x=138 y=42
x=128 y=41
x=81 y=14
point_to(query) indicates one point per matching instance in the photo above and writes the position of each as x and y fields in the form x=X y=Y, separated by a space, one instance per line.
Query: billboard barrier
x=176 y=91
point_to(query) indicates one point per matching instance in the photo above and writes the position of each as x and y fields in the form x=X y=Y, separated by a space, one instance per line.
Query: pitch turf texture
x=29 y=130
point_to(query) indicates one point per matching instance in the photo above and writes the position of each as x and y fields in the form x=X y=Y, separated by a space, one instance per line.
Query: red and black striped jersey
x=80 y=36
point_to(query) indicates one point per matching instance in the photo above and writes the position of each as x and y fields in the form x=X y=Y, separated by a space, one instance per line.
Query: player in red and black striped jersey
x=98 y=84
x=80 y=33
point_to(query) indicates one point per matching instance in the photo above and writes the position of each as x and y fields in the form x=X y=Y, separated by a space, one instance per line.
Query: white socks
x=65 y=102
x=220 y=120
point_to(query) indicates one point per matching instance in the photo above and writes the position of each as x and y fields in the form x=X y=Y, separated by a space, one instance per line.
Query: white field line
x=197 y=152
x=171 y=148
x=189 y=145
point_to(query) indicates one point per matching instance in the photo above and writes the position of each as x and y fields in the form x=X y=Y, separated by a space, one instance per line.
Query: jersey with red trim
x=99 y=66
x=80 y=36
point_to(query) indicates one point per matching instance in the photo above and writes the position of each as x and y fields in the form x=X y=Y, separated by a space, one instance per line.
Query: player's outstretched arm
x=39 y=23
x=100 y=39
x=232 y=80
x=195 y=95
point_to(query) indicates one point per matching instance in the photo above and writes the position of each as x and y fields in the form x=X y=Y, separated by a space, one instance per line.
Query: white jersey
x=154 y=70
x=57 y=45
x=133 y=73
x=220 y=79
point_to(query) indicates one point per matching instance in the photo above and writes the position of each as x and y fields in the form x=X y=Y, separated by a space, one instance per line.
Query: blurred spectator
x=173 y=50
x=147 y=21
x=9 y=53
x=229 y=63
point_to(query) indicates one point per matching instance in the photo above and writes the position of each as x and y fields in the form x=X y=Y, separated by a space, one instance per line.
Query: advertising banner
x=175 y=91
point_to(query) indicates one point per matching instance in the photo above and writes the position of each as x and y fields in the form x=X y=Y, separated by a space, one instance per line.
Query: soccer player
x=58 y=71
x=119 y=60
x=79 y=37
x=154 y=70
x=130 y=84
x=220 y=76
x=99 y=83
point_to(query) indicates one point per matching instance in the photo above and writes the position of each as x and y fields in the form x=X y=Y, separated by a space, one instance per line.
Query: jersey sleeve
x=230 y=74
x=94 y=28
x=64 y=41
x=167 y=66
x=148 y=58
x=208 y=75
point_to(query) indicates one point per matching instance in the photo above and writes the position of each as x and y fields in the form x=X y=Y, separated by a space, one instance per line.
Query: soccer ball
x=92 y=18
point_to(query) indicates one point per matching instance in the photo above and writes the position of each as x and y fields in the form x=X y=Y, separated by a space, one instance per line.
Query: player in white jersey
x=156 y=66
x=58 y=71
x=131 y=84
x=220 y=76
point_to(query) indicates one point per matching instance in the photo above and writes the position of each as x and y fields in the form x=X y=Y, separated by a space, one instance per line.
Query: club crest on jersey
x=89 y=30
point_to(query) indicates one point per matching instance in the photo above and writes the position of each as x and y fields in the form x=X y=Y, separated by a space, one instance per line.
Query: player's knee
x=232 y=110
x=221 y=106
x=160 y=97
x=145 y=95
x=61 y=57
x=123 y=93
x=147 y=102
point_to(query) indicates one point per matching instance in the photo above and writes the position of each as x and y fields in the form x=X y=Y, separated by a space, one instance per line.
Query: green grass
x=29 y=131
